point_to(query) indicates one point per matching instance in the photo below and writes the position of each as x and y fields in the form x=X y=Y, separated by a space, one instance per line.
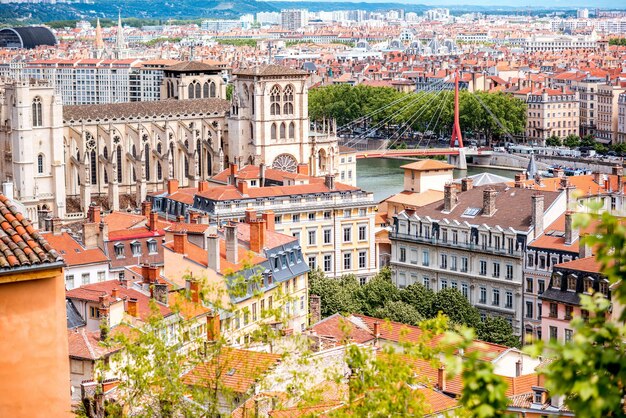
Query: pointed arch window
x=275 y=93
x=105 y=152
x=198 y=90
x=213 y=89
x=282 y=131
x=37 y=112
x=93 y=167
x=191 y=91
x=273 y=129
x=292 y=130
x=147 y=161
x=40 y=164
x=159 y=171
x=288 y=109
x=119 y=163
x=205 y=89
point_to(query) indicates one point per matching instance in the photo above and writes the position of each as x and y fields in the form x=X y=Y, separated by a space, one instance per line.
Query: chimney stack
x=213 y=252
x=262 y=175
x=257 y=236
x=537 y=214
x=441 y=378
x=329 y=181
x=213 y=326
x=558 y=172
x=467 y=184
x=172 y=186
x=519 y=180
x=618 y=171
x=584 y=250
x=115 y=293
x=232 y=244
x=203 y=186
x=160 y=293
x=153 y=219
x=270 y=220
x=303 y=168
x=449 y=197
x=93 y=214
x=489 y=202
x=150 y=273
x=242 y=186
x=250 y=215
x=194 y=290
x=571 y=233
x=131 y=307
x=146 y=208
x=180 y=243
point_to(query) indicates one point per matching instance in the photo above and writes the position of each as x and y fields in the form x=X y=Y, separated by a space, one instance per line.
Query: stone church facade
x=60 y=159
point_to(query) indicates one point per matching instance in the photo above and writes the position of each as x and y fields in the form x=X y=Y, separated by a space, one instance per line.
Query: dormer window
x=119 y=250
x=588 y=282
x=135 y=247
x=556 y=280
x=571 y=282
x=152 y=246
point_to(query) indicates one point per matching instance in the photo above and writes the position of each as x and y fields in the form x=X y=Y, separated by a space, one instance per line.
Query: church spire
x=99 y=44
x=120 y=32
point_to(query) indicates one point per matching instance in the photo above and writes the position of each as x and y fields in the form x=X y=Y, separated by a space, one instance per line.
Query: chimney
x=597 y=177
x=213 y=327
x=315 y=309
x=194 y=290
x=607 y=185
x=584 y=250
x=180 y=243
x=518 y=368
x=93 y=214
x=571 y=233
x=489 y=202
x=619 y=172
x=242 y=186
x=376 y=329
x=153 y=219
x=329 y=181
x=262 y=175
x=115 y=293
x=233 y=169
x=146 y=208
x=55 y=225
x=449 y=197
x=467 y=184
x=180 y=219
x=257 y=236
x=263 y=405
x=303 y=168
x=558 y=172
x=149 y=273
x=213 y=252
x=172 y=186
x=441 y=378
x=203 y=186
x=270 y=220
x=160 y=293
x=519 y=180
x=537 y=214
x=131 y=307
x=232 y=244
x=250 y=215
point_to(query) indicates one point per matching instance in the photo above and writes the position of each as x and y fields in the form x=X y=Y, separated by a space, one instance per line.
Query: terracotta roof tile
x=73 y=252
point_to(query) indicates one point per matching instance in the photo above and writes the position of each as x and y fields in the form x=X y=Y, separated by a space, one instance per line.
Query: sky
x=592 y=4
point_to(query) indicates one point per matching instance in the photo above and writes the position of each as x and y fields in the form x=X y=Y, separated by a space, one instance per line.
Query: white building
x=293 y=19
x=560 y=42
x=621 y=118
x=221 y=25
x=268 y=18
x=582 y=13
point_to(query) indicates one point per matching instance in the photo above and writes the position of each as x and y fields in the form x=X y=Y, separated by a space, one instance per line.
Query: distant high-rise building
x=221 y=25
x=268 y=18
x=437 y=14
x=582 y=13
x=293 y=19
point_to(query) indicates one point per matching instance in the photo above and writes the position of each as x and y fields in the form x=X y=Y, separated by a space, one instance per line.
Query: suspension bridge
x=417 y=104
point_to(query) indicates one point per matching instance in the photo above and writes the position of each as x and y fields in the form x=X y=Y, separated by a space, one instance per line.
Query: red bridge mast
x=456 y=128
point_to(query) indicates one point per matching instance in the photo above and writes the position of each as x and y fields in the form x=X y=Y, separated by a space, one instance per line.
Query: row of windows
x=135 y=248
x=572 y=284
x=347 y=261
x=85 y=278
x=312 y=216
x=495 y=297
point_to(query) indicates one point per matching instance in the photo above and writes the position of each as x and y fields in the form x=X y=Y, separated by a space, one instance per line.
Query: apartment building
x=334 y=222
x=556 y=43
x=608 y=101
x=621 y=118
x=561 y=300
x=271 y=263
x=473 y=241
x=588 y=98
x=293 y=19
x=552 y=112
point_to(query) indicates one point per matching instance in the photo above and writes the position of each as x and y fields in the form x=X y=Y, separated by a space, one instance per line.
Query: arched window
x=106 y=177
x=134 y=175
x=275 y=94
x=191 y=90
x=37 y=112
x=198 y=90
x=283 y=133
x=275 y=109
x=288 y=94
x=173 y=167
x=119 y=163
x=251 y=131
x=40 y=164
x=288 y=109
x=105 y=152
x=273 y=136
x=134 y=150
x=159 y=171
x=159 y=148
x=292 y=130
x=205 y=89
x=93 y=167
x=186 y=166
x=147 y=161
x=213 y=89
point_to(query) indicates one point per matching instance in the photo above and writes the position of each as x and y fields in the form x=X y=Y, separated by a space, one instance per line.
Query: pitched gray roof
x=270 y=70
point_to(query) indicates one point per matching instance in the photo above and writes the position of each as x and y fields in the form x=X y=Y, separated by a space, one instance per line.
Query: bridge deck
x=418 y=152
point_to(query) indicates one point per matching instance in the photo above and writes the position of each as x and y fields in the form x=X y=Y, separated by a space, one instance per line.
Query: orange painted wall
x=34 y=360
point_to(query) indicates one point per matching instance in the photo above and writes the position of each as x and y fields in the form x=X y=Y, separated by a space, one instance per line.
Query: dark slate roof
x=193 y=67
x=159 y=108
x=563 y=296
x=32 y=36
x=20 y=243
x=74 y=320
x=271 y=70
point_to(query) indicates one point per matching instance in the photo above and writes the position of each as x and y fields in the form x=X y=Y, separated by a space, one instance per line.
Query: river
x=384 y=177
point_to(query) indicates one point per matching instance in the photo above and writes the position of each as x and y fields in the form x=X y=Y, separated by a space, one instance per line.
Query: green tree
x=498 y=330
x=399 y=311
x=571 y=141
x=554 y=141
x=229 y=91
x=419 y=297
x=336 y=295
x=376 y=293
x=454 y=305
x=588 y=141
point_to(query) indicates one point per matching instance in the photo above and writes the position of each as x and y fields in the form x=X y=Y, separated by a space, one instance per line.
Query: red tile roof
x=73 y=252
x=20 y=243
x=87 y=345
x=587 y=264
x=236 y=369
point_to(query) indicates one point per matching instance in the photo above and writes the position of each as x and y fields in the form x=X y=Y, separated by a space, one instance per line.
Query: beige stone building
x=621 y=118
x=608 y=96
x=588 y=95
x=552 y=112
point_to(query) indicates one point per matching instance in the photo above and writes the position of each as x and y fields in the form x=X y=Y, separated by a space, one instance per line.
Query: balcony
x=459 y=245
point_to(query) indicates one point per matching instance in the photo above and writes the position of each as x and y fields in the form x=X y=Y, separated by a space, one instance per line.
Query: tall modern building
x=293 y=19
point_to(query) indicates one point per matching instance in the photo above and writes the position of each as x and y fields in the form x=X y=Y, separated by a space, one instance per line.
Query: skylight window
x=471 y=212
